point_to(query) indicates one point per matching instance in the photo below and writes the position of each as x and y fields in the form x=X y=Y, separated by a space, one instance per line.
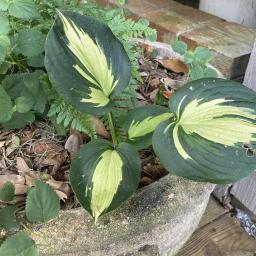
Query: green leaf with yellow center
x=141 y=122
x=86 y=62
x=103 y=177
x=212 y=136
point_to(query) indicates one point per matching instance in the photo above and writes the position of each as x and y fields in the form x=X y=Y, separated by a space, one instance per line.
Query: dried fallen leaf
x=44 y=147
x=146 y=181
x=20 y=189
x=30 y=181
x=72 y=144
x=59 y=185
x=174 y=65
x=61 y=195
x=15 y=179
x=3 y=164
x=167 y=94
x=2 y=143
x=100 y=128
x=27 y=136
x=14 y=144
x=31 y=176
x=22 y=166
x=154 y=83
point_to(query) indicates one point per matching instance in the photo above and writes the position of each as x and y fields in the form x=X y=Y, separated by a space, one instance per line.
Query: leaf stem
x=112 y=129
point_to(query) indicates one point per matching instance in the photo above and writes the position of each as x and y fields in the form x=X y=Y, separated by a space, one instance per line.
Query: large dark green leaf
x=19 y=120
x=42 y=203
x=141 y=122
x=19 y=244
x=5 y=26
x=18 y=84
x=212 y=136
x=86 y=62
x=5 y=106
x=29 y=42
x=4 y=45
x=4 y=5
x=102 y=177
x=24 y=9
x=8 y=218
x=7 y=192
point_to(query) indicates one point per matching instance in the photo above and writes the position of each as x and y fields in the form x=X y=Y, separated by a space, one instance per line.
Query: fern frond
x=128 y=28
x=69 y=117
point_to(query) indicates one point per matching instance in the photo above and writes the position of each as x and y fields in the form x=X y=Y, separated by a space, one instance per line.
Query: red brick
x=231 y=42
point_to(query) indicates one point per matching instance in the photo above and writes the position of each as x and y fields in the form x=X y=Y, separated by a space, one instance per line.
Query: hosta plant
x=207 y=133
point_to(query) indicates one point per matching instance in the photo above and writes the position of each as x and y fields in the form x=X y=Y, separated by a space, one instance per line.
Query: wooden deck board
x=219 y=234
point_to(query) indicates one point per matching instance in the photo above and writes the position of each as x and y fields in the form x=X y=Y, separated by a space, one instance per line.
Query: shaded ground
x=193 y=3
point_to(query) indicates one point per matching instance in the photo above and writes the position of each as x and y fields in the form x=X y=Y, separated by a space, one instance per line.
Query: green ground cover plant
x=75 y=70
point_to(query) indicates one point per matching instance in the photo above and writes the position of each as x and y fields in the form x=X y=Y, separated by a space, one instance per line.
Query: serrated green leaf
x=102 y=177
x=205 y=141
x=42 y=203
x=8 y=218
x=4 y=5
x=89 y=57
x=29 y=42
x=196 y=72
x=179 y=47
x=5 y=106
x=19 y=84
x=4 y=45
x=141 y=122
x=203 y=54
x=7 y=192
x=19 y=120
x=23 y=9
x=5 y=41
x=19 y=244
x=4 y=67
x=5 y=26
x=24 y=103
x=189 y=57
x=36 y=61
x=41 y=102
x=210 y=72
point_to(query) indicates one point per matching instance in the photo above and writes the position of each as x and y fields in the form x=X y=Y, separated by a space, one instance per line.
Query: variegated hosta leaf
x=86 y=62
x=212 y=136
x=102 y=177
x=141 y=123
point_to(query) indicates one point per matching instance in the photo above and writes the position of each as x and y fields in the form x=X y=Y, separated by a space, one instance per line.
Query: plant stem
x=112 y=129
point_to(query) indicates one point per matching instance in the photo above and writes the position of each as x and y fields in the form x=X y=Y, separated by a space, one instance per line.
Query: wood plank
x=222 y=193
x=213 y=211
x=250 y=76
x=245 y=192
x=221 y=237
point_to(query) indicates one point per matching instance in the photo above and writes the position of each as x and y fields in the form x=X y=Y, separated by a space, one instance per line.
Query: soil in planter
x=38 y=152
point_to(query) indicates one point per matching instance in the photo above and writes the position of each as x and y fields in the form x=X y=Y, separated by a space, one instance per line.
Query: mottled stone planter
x=157 y=220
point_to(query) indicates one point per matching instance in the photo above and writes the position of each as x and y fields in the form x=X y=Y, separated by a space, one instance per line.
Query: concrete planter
x=157 y=220
x=240 y=11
